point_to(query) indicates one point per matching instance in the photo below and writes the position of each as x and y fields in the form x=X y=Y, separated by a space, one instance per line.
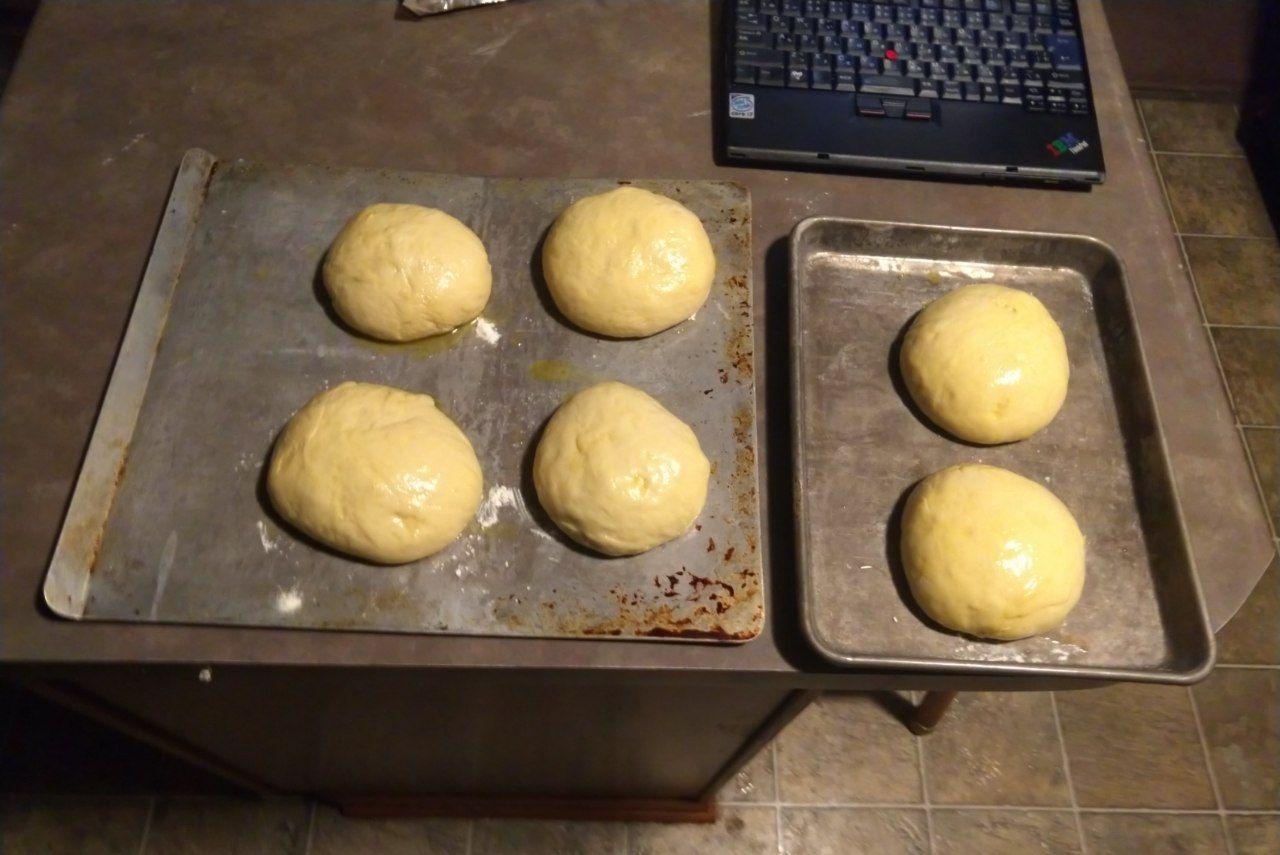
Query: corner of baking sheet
x=67 y=582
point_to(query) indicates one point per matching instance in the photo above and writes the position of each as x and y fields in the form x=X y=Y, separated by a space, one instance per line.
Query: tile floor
x=1123 y=769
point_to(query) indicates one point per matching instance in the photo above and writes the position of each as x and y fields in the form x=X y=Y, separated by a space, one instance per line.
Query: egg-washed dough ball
x=628 y=263
x=402 y=272
x=990 y=553
x=619 y=473
x=375 y=472
x=986 y=363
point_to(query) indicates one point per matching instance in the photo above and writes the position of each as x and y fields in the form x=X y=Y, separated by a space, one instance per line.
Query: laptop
x=993 y=90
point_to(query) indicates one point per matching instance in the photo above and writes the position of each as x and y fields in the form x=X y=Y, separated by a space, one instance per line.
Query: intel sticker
x=742 y=106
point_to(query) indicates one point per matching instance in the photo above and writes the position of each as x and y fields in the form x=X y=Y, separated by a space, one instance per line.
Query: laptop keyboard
x=902 y=58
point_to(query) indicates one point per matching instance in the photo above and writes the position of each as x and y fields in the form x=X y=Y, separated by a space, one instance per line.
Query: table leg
x=926 y=716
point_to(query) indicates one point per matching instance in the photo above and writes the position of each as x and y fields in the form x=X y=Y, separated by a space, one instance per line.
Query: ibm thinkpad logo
x=1066 y=144
x=742 y=106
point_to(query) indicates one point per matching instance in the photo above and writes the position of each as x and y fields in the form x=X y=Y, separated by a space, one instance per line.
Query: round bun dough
x=376 y=472
x=401 y=272
x=990 y=553
x=628 y=263
x=619 y=473
x=986 y=363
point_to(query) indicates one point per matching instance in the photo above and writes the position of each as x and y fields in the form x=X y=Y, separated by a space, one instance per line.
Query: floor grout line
x=1257 y=480
x=1195 y=288
x=1000 y=807
x=924 y=785
x=1155 y=165
x=1226 y=237
x=1066 y=772
x=311 y=826
x=1220 y=154
x=146 y=826
x=777 y=794
x=1213 y=776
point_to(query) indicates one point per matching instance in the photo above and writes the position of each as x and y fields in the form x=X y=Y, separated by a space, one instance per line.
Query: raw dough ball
x=400 y=272
x=991 y=553
x=375 y=472
x=628 y=263
x=618 y=472
x=986 y=363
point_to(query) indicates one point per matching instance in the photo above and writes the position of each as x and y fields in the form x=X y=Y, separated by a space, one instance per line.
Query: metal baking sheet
x=231 y=334
x=861 y=446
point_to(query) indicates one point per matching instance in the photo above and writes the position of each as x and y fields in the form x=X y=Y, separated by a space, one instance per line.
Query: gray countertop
x=104 y=101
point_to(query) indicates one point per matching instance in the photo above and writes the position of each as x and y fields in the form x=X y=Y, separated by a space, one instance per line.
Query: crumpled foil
x=435 y=7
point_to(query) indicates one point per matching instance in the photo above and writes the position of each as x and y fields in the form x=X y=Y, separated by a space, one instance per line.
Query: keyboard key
x=929 y=89
x=1065 y=79
x=1039 y=59
x=844 y=62
x=1056 y=102
x=990 y=92
x=887 y=84
x=827 y=28
x=759 y=57
x=797 y=78
x=1079 y=108
x=846 y=81
x=837 y=10
x=832 y=44
x=1034 y=103
x=882 y=13
x=750 y=21
x=1065 y=52
x=822 y=78
x=807 y=43
x=860 y=11
x=1010 y=93
x=918 y=109
x=953 y=90
x=894 y=108
x=792 y=8
x=769 y=7
x=752 y=38
x=744 y=74
x=984 y=74
x=915 y=68
x=869 y=105
x=771 y=76
x=868 y=65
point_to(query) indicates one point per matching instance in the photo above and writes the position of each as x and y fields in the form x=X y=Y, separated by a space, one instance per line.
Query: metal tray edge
x=1181 y=677
x=66 y=581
